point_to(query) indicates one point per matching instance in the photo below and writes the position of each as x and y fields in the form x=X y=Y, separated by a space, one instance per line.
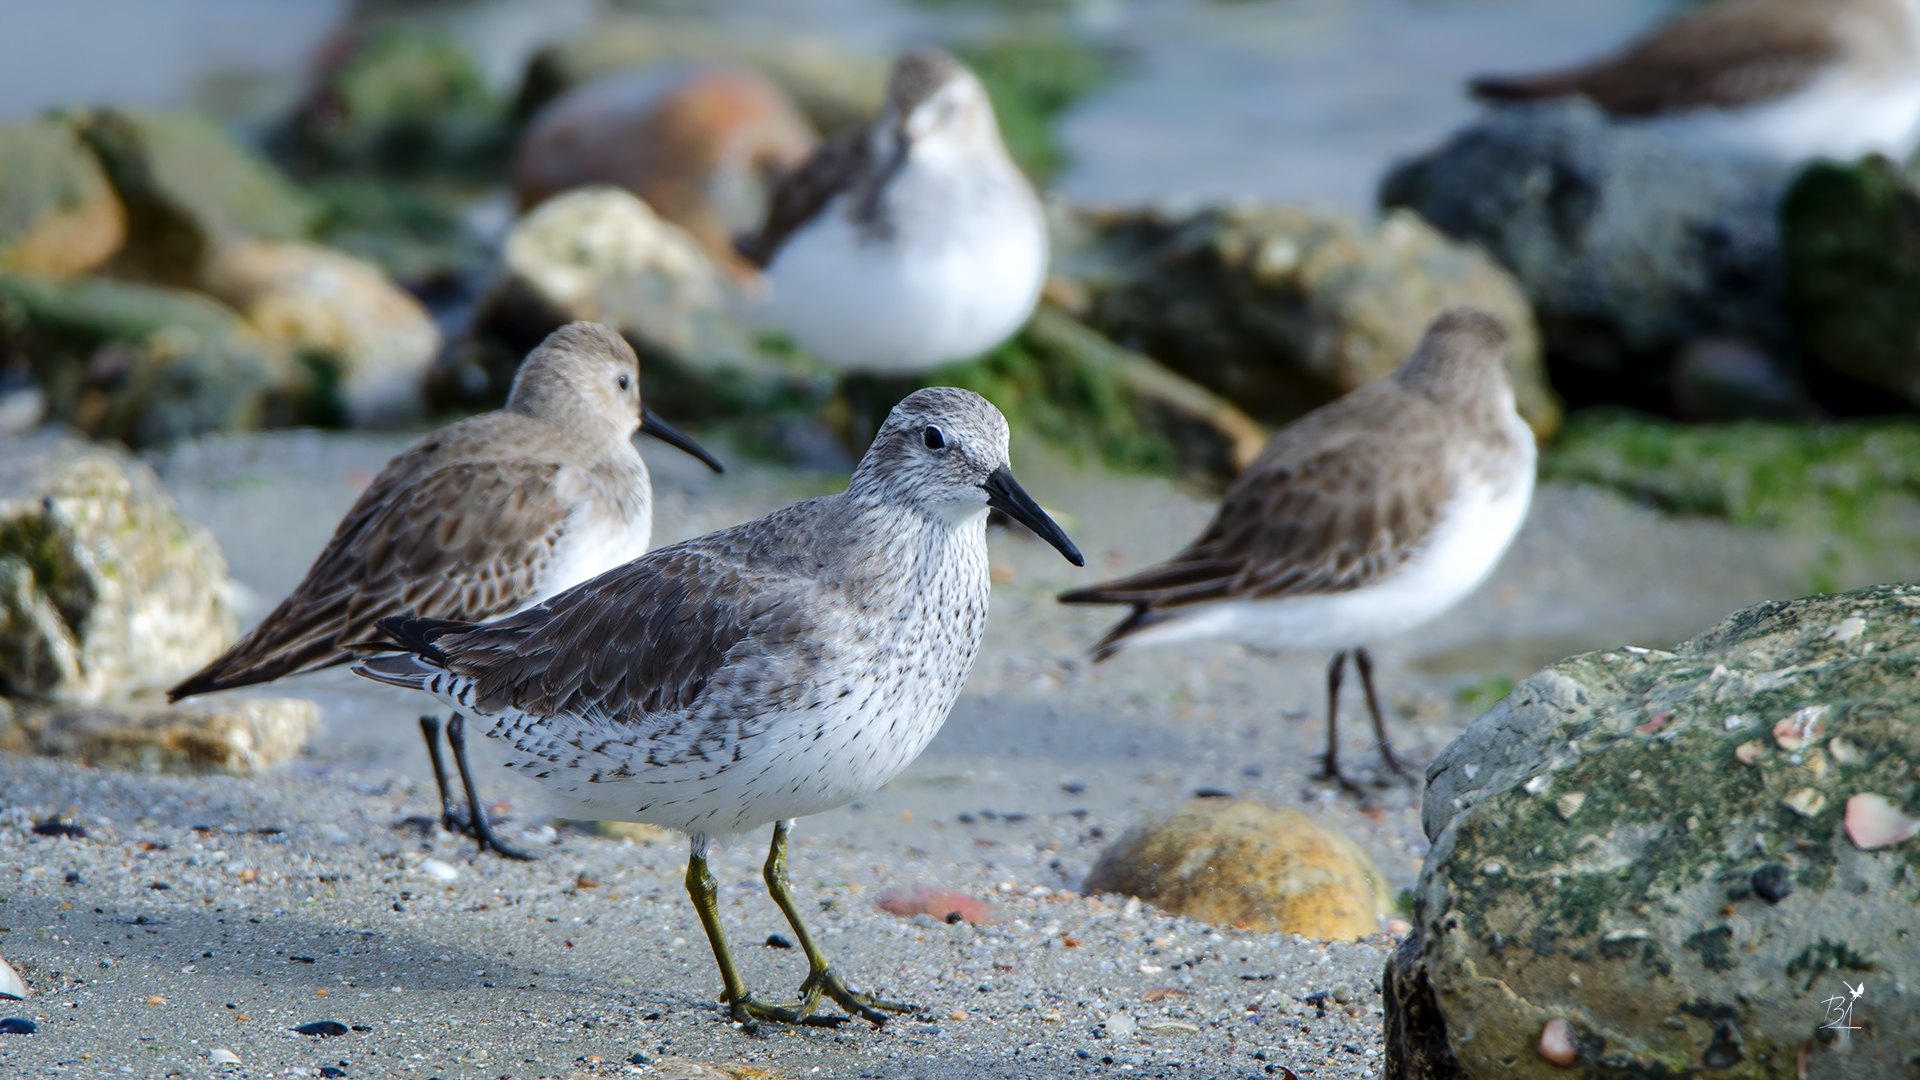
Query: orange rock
x=1241 y=863
x=700 y=144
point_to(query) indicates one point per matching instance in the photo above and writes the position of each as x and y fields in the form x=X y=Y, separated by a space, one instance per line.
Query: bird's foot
x=865 y=1006
x=749 y=1013
x=467 y=823
x=1331 y=771
x=1398 y=765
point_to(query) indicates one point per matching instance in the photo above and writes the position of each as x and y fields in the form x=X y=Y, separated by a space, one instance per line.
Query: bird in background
x=908 y=244
x=758 y=674
x=1776 y=80
x=481 y=518
x=1367 y=517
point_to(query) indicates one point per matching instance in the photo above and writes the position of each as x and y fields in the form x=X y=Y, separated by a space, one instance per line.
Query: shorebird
x=1780 y=80
x=482 y=518
x=908 y=244
x=1368 y=516
x=758 y=674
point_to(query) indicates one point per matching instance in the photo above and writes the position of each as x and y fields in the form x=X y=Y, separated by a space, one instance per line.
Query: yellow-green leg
x=706 y=893
x=820 y=975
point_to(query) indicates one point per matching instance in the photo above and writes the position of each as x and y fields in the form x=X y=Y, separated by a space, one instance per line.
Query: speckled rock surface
x=1282 y=309
x=1247 y=864
x=1628 y=247
x=234 y=736
x=1657 y=848
x=104 y=589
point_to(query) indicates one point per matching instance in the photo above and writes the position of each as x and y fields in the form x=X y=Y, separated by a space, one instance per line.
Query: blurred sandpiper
x=908 y=244
x=1367 y=517
x=481 y=518
x=758 y=674
x=1781 y=80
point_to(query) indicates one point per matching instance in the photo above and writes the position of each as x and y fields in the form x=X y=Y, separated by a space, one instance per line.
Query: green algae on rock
x=58 y=214
x=1850 y=239
x=104 y=589
x=1648 y=845
x=1282 y=309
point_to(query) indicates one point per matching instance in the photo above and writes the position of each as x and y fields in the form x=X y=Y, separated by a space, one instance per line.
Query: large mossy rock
x=1651 y=863
x=1629 y=248
x=1241 y=863
x=146 y=365
x=105 y=590
x=1851 y=240
x=58 y=214
x=187 y=185
x=1282 y=309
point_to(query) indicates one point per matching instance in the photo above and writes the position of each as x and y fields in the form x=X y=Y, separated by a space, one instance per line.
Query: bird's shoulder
x=840 y=164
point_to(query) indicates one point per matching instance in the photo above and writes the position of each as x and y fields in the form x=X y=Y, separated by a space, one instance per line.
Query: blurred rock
x=396 y=101
x=1246 y=864
x=701 y=145
x=1282 y=309
x=1853 y=272
x=600 y=254
x=147 y=365
x=1628 y=247
x=374 y=341
x=104 y=590
x=235 y=736
x=1597 y=838
x=835 y=89
x=1076 y=388
x=1730 y=379
x=58 y=214
x=415 y=232
x=187 y=185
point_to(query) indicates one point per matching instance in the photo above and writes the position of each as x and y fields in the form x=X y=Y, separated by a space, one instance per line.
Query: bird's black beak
x=674 y=437
x=1005 y=494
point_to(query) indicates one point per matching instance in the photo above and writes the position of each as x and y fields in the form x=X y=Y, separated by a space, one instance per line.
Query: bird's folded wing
x=1303 y=519
x=465 y=541
x=1715 y=57
x=802 y=194
x=647 y=639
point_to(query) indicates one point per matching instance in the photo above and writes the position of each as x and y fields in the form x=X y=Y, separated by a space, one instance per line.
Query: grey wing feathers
x=403 y=549
x=1308 y=516
x=646 y=639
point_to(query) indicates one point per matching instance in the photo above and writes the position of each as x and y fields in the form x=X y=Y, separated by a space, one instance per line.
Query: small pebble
x=1073 y=787
x=11 y=985
x=438 y=870
x=222 y=1056
x=1343 y=992
x=1120 y=1025
x=775 y=941
x=17 y=1025
x=1773 y=882
x=325 y=1029
x=1556 y=1043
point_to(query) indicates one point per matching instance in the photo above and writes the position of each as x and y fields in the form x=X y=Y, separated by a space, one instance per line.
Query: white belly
x=1463 y=550
x=594 y=543
x=954 y=279
x=1834 y=117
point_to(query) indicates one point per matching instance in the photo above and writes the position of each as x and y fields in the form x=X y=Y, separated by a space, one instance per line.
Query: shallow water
x=1295 y=100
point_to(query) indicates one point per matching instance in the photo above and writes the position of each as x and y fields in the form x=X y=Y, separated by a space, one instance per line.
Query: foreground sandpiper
x=1782 y=80
x=758 y=674
x=1364 y=518
x=908 y=244
x=479 y=519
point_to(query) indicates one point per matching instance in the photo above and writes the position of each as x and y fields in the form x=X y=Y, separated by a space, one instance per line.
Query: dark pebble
x=269 y=830
x=330 y=1071
x=1251 y=772
x=325 y=1029
x=1082 y=1054
x=1017 y=815
x=362 y=1027
x=300 y=960
x=1073 y=787
x=74 y=878
x=965 y=818
x=1212 y=793
x=989 y=815
x=639 y=1059
x=775 y=941
x=398 y=906
x=1773 y=882
x=159 y=886
x=18 y=1025
x=55 y=827
x=954 y=917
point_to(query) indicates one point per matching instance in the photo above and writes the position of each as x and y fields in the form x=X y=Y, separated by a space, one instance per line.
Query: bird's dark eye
x=623 y=382
x=935 y=440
